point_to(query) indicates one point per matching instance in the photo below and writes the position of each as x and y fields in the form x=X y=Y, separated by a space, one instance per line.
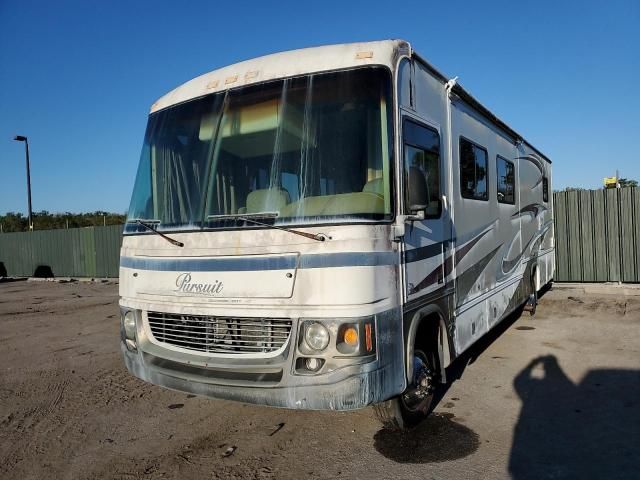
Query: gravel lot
x=550 y=396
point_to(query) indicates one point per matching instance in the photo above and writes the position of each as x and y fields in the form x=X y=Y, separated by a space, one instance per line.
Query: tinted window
x=545 y=189
x=422 y=150
x=506 y=184
x=473 y=171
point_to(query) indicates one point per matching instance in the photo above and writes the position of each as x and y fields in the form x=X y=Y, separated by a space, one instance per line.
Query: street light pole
x=21 y=138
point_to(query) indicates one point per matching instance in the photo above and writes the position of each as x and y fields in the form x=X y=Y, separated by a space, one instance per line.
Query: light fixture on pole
x=22 y=138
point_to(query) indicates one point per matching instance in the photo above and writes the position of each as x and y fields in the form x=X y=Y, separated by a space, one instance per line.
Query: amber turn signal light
x=351 y=336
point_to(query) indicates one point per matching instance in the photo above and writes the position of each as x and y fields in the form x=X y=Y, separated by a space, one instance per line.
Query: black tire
x=412 y=406
x=534 y=294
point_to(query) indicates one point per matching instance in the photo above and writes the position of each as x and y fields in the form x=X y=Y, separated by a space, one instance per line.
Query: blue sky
x=78 y=77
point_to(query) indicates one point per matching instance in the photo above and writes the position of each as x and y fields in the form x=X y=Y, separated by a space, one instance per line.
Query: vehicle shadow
x=586 y=430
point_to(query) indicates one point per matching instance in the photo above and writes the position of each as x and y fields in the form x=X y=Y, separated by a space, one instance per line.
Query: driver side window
x=422 y=153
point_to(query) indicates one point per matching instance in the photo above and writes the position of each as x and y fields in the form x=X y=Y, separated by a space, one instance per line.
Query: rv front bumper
x=351 y=388
x=274 y=381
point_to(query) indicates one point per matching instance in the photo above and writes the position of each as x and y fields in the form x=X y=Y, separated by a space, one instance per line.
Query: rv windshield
x=311 y=149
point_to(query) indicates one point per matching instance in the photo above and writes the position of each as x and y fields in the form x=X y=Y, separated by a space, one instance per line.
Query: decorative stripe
x=253 y=263
x=422 y=253
x=443 y=270
x=467 y=279
x=533 y=159
x=536 y=161
x=220 y=264
x=348 y=259
x=534 y=209
x=508 y=265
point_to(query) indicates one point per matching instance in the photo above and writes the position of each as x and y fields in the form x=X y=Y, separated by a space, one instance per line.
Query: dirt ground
x=550 y=396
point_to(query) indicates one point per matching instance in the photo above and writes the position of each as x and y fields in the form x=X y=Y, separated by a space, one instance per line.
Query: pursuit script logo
x=184 y=284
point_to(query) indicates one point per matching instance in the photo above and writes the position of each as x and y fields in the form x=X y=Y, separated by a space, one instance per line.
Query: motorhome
x=327 y=228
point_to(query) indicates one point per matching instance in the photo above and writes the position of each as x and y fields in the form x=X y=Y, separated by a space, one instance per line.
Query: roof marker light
x=229 y=80
x=363 y=55
x=212 y=84
x=250 y=75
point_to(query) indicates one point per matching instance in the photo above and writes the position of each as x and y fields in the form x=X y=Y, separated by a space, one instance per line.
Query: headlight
x=129 y=324
x=316 y=336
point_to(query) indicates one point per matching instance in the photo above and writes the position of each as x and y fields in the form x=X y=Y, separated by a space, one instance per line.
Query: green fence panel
x=627 y=234
x=108 y=241
x=601 y=261
x=573 y=219
x=613 y=233
x=77 y=252
x=636 y=231
x=585 y=242
x=598 y=235
x=13 y=253
x=561 y=240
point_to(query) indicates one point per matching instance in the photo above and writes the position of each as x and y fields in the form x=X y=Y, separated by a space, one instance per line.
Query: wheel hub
x=422 y=386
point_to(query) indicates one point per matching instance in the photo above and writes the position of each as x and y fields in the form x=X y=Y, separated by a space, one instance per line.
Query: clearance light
x=351 y=336
x=363 y=55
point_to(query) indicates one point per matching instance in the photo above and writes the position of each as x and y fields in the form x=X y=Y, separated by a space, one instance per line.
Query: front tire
x=415 y=403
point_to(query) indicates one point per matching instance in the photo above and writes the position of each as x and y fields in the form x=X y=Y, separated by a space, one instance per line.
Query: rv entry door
x=424 y=240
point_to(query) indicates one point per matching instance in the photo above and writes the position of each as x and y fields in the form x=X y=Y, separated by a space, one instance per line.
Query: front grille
x=220 y=334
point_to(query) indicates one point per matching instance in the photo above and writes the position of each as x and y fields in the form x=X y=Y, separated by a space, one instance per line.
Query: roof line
x=484 y=111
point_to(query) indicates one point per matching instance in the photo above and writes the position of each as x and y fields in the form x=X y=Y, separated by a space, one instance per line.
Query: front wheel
x=414 y=404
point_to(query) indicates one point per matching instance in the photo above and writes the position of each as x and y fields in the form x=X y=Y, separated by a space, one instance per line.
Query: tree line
x=624 y=182
x=44 y=220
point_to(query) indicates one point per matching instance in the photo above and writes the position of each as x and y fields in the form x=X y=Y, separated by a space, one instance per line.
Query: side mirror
x=417 y=196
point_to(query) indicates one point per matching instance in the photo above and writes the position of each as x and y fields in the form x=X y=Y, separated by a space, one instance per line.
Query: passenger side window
x=545 y=189
x=506 y=184
x=422 y=153
x=473 y=171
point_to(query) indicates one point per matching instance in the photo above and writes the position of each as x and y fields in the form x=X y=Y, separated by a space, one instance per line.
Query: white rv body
x=438 y=283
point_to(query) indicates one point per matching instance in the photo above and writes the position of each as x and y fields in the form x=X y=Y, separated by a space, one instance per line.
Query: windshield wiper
x=320 y=237
x=148 y=224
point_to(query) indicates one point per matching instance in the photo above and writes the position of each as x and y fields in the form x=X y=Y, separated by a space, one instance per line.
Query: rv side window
x=506 y=184
x=545 y=189
x=422 y=152
x=473 y=170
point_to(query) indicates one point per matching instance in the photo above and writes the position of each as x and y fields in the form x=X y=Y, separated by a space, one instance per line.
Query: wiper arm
x=149 y=226
x=251 y=219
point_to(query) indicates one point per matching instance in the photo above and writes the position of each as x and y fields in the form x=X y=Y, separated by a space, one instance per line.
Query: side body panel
x=493 y=248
